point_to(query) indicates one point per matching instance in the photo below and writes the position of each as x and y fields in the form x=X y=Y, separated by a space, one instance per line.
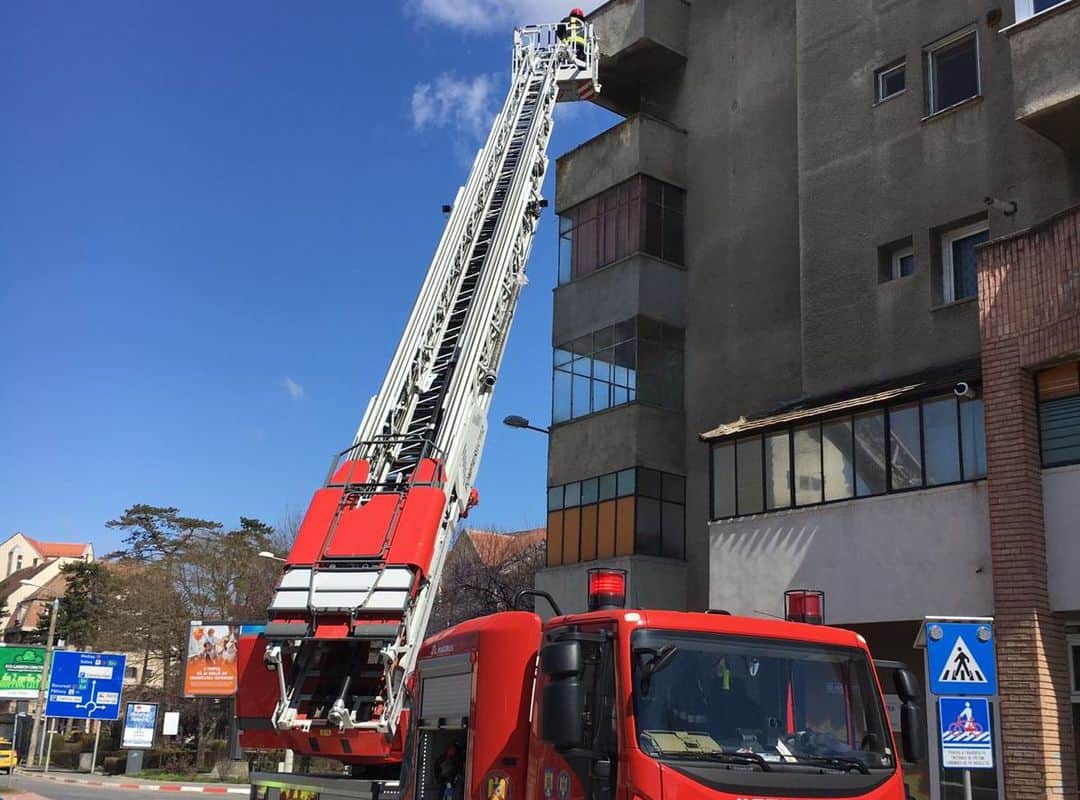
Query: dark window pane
x=625 y=372
x=1075 y=648
x=973 y=434
x=626 y=482
x=839 y=464
x=560 y=406
x=1042 y=5
x=555 y=498
x=648 y=483
x=749 y=476
x=964 y=261
x=942 y=441
x=870 y=454
x=807 y=443
x=583 y=345
x=907 y=265
x=648 y=527
x=777 y=471
x=672 y=519
x=602 y=365
x=905 y=450
x=673 y=236
x=589 y=490
x=625 y=331
x=723 y=481
x=650 y=329
x=892 y=81
x=573 y=495
x=674 y=487
x=674 y=197
x=607 y=486
x=955 y=73
x=605 y=337
x=566 y=257
x=1059 y=431
x=654 y=190
x=654 y=224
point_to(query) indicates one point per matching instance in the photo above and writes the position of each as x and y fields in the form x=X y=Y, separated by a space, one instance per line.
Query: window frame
x=880 y=76
x=1025 y=9
x=1072 y=641
x=820 y=423
x=897 y=255
x=930 y=53
x=948 y=268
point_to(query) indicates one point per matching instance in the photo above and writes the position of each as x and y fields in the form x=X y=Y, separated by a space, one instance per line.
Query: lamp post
x=35 y=729
x=514 y=421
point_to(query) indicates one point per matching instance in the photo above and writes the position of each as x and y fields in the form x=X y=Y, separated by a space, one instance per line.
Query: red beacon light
x=805 y=605
x=607 y=589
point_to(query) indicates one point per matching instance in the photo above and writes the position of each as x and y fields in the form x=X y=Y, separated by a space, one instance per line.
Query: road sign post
x=962 y=670
x=85 y=685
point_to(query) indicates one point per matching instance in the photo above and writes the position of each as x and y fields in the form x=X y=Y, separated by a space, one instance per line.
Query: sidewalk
x=134 y=784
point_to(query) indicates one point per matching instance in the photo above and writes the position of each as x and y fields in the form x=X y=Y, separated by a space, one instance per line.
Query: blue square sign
x=966 y=741
x=85 y=685
x=960 y=657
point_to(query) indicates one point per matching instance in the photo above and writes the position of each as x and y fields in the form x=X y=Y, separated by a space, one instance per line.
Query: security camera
x=964 y=391
x=1006 y=207
x=488 y=381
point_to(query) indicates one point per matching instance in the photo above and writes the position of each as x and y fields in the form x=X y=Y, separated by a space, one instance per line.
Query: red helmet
x=577 y=12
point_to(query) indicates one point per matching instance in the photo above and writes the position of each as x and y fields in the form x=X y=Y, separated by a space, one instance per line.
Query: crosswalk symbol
x=961 y=666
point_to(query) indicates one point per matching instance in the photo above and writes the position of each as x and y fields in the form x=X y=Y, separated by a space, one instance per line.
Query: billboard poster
x=140 y=719
x=20 y=671
x=210 y=670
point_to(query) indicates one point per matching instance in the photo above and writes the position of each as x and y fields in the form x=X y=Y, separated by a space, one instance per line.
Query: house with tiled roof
x=24 y=558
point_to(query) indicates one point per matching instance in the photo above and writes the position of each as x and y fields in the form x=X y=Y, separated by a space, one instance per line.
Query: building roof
x=57 y=549
x=807 y=409
x=54 y=588
x=493 y=547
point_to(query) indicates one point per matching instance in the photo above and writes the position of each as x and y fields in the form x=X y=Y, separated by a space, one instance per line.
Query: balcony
x=639 y=39
x=1046 y=73
x=638 y=145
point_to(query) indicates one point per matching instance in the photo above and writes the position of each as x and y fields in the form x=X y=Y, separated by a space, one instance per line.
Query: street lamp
x=514 y=421
x=271 y=556
x=35 y=729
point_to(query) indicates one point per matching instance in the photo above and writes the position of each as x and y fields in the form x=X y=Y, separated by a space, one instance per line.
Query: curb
x=146 y=787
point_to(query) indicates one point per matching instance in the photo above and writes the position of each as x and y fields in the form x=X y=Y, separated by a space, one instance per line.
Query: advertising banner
x=20 y=671
x=210 y=670
x=140 y=719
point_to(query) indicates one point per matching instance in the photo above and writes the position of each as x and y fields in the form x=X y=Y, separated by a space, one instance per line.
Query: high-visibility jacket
x=573 y=30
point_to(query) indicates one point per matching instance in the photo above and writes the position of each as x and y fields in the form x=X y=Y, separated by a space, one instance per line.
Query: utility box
x=134 y=762
x=86 y=762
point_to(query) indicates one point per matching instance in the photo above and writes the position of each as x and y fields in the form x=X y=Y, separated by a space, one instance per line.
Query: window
x=931 y=442
x=1074 y=667
x=1059 y=414
x=130 y=673
x=903 y=262
x=641 y=215
x=639 y=360
x=634 y=511
x=1029 y=8
x=896 y=260
x=952 y=70
x=959 y=262
x=890 y=81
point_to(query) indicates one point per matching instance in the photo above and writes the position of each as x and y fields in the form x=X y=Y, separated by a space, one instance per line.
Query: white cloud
x=491 y=15
x=295 y=390
x=464 y=104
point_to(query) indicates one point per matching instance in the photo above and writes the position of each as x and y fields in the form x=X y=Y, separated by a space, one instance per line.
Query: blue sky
x=214 y=218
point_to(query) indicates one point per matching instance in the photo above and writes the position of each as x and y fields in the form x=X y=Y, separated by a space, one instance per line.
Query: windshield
x=772 y=702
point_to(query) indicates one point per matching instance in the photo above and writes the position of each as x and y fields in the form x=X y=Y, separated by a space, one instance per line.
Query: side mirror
x=562 y=714
x=912 y=732
x=907 y=686
x=561 y=659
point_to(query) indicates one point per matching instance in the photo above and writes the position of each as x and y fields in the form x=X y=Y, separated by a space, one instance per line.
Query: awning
x=808 y=410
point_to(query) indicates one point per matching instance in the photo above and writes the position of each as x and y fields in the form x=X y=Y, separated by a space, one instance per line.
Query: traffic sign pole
x=97 y=739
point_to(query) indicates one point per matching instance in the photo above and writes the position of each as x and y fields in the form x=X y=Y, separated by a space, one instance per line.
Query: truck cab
x=626 y=704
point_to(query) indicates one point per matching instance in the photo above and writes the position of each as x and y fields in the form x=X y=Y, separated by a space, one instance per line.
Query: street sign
x=170 y=723
x=140 y=719
x=20 y=671
x=960 y=658
x=85 y=685
x=966 y=741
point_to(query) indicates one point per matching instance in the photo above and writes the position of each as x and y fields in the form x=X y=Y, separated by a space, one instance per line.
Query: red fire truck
x=637 y=705
x=614 y=703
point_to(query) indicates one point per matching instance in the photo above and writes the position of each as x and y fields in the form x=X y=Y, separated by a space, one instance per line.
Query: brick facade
x=1029 y=316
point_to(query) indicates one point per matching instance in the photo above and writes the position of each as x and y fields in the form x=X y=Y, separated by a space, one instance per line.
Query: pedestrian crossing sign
x=960 y=656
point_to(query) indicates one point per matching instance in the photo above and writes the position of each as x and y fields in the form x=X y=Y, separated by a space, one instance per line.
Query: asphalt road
x=61 y=791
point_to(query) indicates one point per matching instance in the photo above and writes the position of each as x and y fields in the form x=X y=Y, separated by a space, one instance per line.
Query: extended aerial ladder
x=357 y=590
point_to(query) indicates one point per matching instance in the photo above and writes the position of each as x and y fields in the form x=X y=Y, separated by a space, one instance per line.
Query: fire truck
x=616 y=702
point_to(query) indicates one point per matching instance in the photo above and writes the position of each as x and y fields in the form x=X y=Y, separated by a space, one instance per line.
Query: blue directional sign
x=966 y=741
x=960 y=657
x=85 y=685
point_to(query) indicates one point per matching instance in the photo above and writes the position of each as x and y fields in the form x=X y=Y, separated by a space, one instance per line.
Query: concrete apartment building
x=794 y=346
